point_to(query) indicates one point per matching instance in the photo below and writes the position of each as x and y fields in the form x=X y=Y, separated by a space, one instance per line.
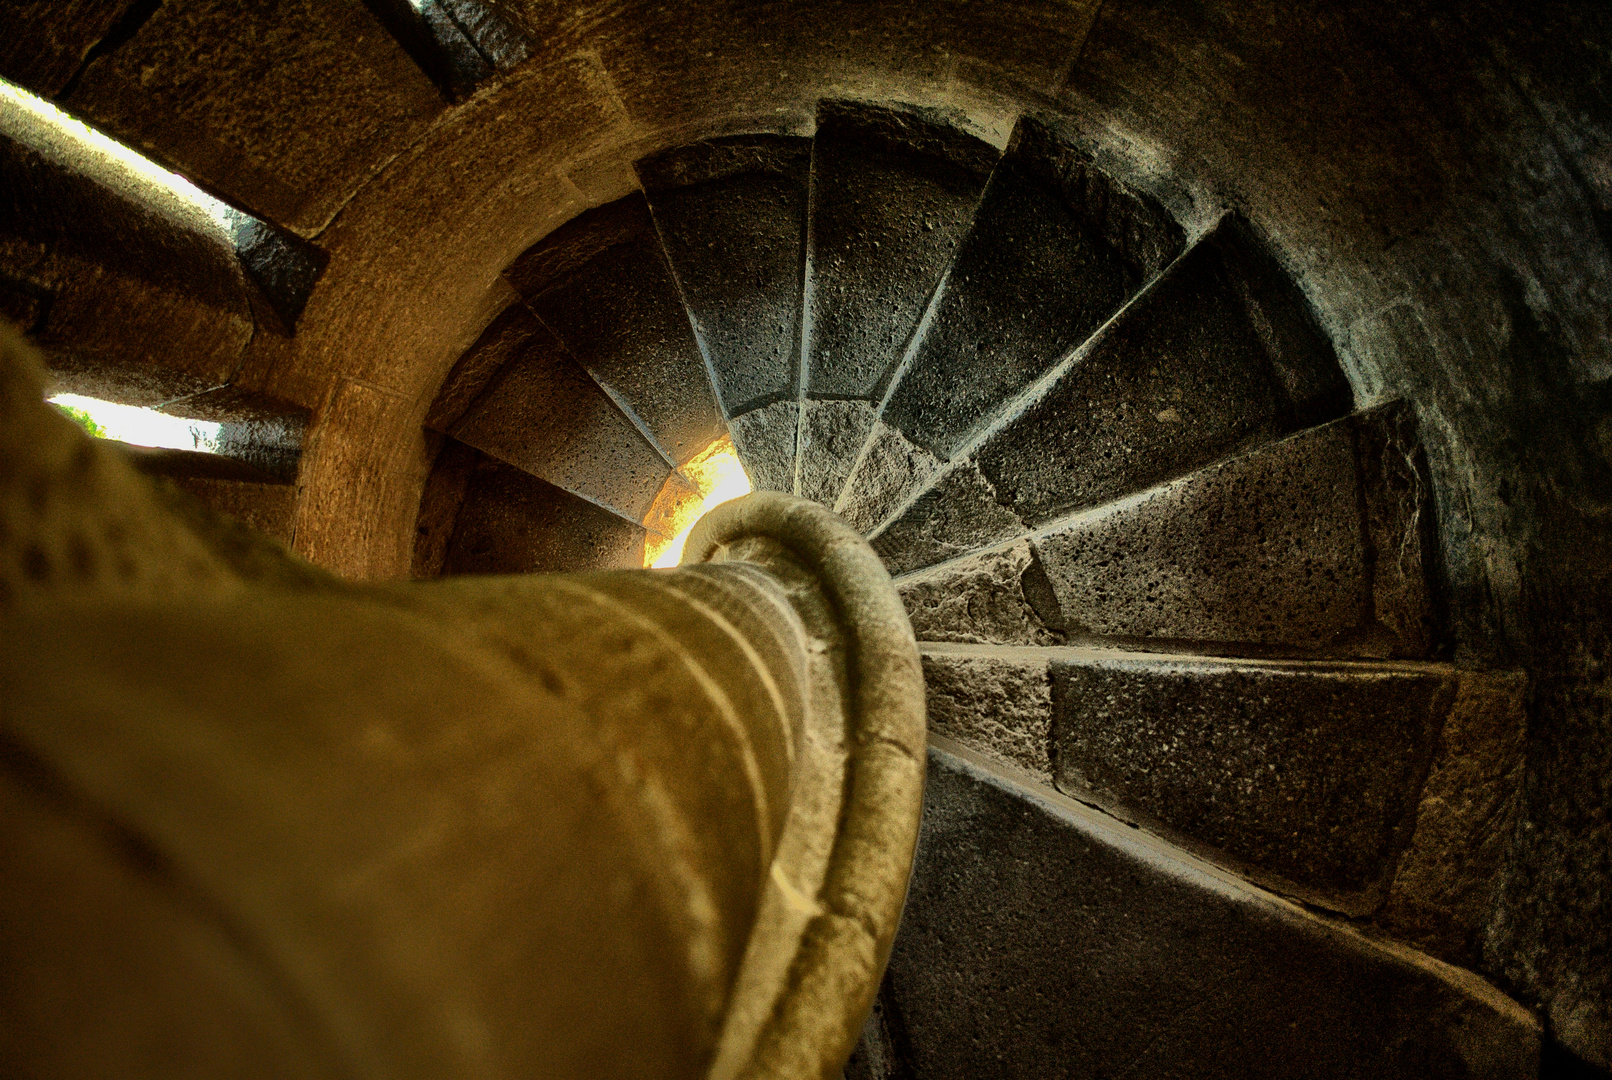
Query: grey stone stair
x=601 y=283
x=1310 y=545
x=518 y=396
x=732 y=215
x=893 y=192
x=1043 y=938
x=1055 y=248
x=1217 y=354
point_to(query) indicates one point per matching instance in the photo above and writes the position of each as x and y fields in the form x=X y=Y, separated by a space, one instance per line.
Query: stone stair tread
x=893 y=191
x=1134 y=958
x=601 y=283
x=764 y=439
x=542 y=413
x=731 y=215
x=1311 y=543
x=1200 y=365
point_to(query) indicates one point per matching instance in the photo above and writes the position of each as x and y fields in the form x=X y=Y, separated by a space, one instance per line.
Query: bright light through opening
x=718 y=476
x=144 y=427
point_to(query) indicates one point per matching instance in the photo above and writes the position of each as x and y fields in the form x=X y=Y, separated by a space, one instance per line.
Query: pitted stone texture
x=1182 y=378
x=1000 y=706
x=1443 y=890
x=504 y=335
x=544 y=414
x=601 y=283
x=732 y=215
x=981 y=599
x=1043 y=939
x=893 y=193
x=1400 y=528
x=1303 y=775
x=223 y=92
x=764 y=439
x=834 y=435
x=43 y=42
x=510 y=522
x=1265 y=548
x=1033 y=278
x=890 y=472
x=959 y=514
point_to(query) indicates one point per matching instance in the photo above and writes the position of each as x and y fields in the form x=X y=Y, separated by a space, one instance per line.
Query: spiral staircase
x=1226 y=766
x=1164 y=573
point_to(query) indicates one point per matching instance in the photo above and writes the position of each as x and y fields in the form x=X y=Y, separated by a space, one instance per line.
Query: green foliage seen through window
x=83 y=420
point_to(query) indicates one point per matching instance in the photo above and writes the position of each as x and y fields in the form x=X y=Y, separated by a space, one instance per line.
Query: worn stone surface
x=765 y=441
x=893 y=194
x=544 y=414
x=1303 y=775
x=44 y=42
x=510 y=522
x=999 y=705
x=1181 y=379
x=892 y=470
x=601 y=283
x=1044 y=939
x=1266 y=548
x=453 y=464
x=982 y=599
x=223 y=93
x=1443 y=891
x=1399 y=528
x=732 y=216
x=1032 y=279
x=834 y=434
x=958 y=514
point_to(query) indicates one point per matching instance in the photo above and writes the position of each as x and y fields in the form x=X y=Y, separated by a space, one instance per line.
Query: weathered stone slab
x=893 y=194
x=1042 y=938
x=544 y=414
x=225 y=94
x=44 y=42
x=510 y=522
x=732 y=215
x=1303 y=775
x=1033 y=278
x=983 y=599
x=999 y=705
x=833 y=437
x=891 y=472
x=1399 y=528
x=958 y=514
x=461 y=44
x=765 y=441
x=601 y=283
x=1183 y=377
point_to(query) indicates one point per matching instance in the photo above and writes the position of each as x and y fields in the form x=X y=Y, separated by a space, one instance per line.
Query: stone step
x=893 y=192
x=1218 y=354
x=539 y=411
x=1044 y=938
x=503 y=520
x=1381 y=790
x=1310 y=545
x=732 y=217
x=1056 y=247
x=601 y=283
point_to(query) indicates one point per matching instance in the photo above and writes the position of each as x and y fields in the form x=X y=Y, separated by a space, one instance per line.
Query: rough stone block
x=601 y=283
x=1042 y=938
x=893 y=194
x=255 y=102
x=999 y=705
x=1266 y=548
x=1443 y=890
x=765 y=441
x=44 y=42
x=732 y=216
x=1181 y=378
x=958 y=514
x=1400 y=528
x=1302 y=775
x=544 y=414
x=834 y=434
x=513 y=523
x=1032 y=279
x=893 y=469
x=981 y=599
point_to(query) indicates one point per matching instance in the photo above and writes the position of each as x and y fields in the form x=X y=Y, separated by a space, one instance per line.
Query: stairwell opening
x=711 y=477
